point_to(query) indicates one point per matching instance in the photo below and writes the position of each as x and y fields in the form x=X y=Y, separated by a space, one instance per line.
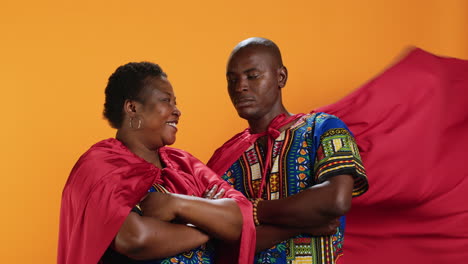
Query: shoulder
x=105 y=158
x=327 y=121
x=177 y=158
x=96 y=153
x=317 y=124
x=110 y=151
x=329 y=125
x=323 y=117
x=107 y=164
x=319 y=120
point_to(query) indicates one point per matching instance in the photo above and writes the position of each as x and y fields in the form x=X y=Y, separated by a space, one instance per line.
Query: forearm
x=143 y=237
x=314 y=206
x=269 y=235
x=220 y=218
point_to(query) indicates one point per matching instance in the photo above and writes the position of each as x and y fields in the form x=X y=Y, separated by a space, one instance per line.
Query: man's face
x=254 y=82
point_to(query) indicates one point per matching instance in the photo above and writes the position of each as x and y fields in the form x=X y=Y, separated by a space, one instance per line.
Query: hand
x=324 y=230
x=213 y=193
x=162 y=206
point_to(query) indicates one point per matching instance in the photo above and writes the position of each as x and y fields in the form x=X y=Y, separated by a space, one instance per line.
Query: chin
x=245 y=114
x=169 y=142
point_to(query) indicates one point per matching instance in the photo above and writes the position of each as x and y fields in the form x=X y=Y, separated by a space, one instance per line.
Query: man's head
x=255 y=76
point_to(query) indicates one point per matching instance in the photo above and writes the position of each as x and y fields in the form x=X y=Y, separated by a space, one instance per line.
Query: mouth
x=173 y=123
x=243 y=101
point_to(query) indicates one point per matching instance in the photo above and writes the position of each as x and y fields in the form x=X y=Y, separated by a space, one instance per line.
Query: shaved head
x=260 y=43
x=255 y=75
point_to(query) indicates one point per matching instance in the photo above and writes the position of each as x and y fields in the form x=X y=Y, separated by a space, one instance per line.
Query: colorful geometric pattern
x=316 y=147
x=338 y=154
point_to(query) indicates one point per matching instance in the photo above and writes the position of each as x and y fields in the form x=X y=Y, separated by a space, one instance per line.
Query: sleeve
x=337 y=153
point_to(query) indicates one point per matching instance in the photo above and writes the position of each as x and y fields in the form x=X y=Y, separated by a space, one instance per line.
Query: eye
x=166 y=99
x=231 y=80
x=253 y=76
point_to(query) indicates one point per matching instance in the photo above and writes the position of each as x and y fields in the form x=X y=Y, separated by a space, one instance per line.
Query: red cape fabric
x=109 y=180
x=230 y=151
x=411 y=125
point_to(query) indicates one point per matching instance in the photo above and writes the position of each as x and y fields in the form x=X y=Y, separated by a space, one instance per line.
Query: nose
x=241 y=85
x=176 y=111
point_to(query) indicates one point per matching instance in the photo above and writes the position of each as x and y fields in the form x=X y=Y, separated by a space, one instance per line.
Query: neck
x=261 y=124
x=131 y=140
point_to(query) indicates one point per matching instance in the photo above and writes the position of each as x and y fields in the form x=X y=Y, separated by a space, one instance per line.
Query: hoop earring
x=131 y=123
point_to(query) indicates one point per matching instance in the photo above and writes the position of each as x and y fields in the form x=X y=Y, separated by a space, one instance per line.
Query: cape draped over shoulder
x=230 y=151
x=109 y=180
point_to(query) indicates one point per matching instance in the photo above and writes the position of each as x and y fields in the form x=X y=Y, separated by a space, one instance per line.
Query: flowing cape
x=109 y=180
x=411 y=125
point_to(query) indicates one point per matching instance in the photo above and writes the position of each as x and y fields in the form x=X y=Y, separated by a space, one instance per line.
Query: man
x=300 y=171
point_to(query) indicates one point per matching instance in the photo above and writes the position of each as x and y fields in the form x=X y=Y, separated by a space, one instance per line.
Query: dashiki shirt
x=318 y=146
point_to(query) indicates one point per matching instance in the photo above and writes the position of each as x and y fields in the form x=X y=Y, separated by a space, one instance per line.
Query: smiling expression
x=159 y=114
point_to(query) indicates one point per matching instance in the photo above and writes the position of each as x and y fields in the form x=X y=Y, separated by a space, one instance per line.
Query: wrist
x=255 y=210
x=180 y=205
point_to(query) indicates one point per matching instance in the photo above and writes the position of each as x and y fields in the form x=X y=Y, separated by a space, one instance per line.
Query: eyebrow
x=246 y=71
x=167 y=93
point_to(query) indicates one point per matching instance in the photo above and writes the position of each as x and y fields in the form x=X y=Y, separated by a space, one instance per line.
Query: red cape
x=229 y=152
x=411 y=125
x=109 y=180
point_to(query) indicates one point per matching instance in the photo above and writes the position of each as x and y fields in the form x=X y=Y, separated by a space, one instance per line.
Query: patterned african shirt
x=318 y=146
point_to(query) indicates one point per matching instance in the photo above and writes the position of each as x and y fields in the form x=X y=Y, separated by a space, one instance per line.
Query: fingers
x=213 y=193
x=335 y=223
x=327 y=229
x=220 y=194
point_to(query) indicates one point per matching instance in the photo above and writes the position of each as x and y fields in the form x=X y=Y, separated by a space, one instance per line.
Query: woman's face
x=159 y=114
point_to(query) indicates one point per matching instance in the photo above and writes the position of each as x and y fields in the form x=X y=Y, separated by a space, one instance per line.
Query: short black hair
x=127 y=83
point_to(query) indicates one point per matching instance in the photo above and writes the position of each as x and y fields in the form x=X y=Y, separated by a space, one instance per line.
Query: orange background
x=56 y=57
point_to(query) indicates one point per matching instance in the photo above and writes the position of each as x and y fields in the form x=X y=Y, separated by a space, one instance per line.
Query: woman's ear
x=130 y=107
x=282 y=76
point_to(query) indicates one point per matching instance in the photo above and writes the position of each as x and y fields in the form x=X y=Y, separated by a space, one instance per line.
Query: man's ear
x=282 y=76
x=130 y=107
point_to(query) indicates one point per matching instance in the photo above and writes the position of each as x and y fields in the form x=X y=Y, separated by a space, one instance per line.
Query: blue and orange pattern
x=316 y=147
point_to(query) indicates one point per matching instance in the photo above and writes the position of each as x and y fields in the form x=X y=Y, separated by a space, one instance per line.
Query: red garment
x=230 y=151
x=109 y=180
x=411 y=125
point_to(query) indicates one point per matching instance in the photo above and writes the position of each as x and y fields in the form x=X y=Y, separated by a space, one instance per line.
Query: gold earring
x=131 y=123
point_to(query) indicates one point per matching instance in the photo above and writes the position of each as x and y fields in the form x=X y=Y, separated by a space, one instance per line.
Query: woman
x=107 y=215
